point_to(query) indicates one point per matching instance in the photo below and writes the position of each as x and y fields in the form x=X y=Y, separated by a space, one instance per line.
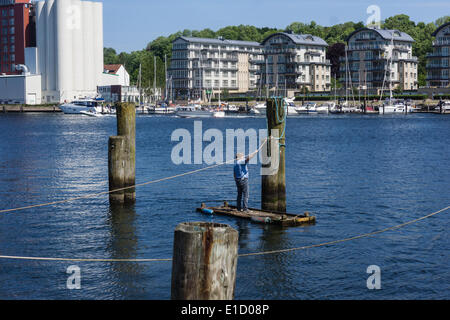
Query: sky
x=130 y=25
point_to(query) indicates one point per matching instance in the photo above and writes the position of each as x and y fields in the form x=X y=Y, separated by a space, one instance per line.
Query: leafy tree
x=441 y=21
x=334 y=53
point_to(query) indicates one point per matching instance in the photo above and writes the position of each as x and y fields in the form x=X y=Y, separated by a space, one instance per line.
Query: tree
x=110 y=56
x=334 y=53
x=441 y=21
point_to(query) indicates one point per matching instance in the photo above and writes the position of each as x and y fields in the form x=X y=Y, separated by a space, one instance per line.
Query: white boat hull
x=394 y=109
x=162 y=110
x=219 y=114
x=195 y=114
x=91 y=114
x=74 y=109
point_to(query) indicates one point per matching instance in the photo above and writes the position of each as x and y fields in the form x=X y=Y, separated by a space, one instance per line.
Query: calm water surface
x=356 y=173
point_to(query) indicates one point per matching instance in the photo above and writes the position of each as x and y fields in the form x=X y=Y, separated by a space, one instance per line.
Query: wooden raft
x=261 y=216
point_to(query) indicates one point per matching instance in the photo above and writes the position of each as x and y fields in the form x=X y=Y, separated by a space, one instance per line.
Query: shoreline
x=28 y=109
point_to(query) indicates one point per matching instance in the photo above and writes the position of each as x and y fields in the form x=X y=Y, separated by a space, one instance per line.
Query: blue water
x=356 y=173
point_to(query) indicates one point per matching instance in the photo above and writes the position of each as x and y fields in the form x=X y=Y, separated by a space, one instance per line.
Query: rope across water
x=365 y=235
x=93 y=195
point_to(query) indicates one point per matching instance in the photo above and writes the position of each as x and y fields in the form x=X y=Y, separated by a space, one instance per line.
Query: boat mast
x=346 y=76
x=140 y=82
x=390 y=69
x=335 y=88
x=165 y=73
x=154 y=78
x=220 y=78
x=267 y=78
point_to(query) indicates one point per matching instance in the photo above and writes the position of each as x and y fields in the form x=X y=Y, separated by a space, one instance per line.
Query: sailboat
x=391 y=106
x=218 y=112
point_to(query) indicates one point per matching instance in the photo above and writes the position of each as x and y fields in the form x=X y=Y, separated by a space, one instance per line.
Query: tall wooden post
x=126 y=126
x=204 y=261
x=116 y=168
x=273 y=191
x=122 y=155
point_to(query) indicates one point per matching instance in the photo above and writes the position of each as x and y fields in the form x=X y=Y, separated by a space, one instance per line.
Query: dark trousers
x=242 y=193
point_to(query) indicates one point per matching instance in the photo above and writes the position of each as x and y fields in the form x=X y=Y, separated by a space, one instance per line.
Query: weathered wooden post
x=116 y=168
x=122 y=155
x=273 y=187
x=204 y=261
x=126 y=126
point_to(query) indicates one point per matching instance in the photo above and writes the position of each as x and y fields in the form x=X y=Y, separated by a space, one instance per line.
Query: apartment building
x=295 y=62
x=438 y=61
x=378 y=58
x=16 y=33
x=201 y=67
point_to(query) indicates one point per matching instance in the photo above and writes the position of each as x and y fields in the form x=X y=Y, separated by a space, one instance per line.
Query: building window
x=12 y=30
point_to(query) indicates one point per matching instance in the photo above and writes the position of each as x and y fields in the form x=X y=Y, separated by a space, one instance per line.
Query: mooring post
x=126 y=126
x=204 y=261
x=116 y=168
x=273 y=187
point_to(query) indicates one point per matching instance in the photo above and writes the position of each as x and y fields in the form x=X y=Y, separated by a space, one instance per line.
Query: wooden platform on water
x=262 y=216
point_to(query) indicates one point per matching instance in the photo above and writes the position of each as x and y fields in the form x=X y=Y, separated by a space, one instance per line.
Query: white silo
x=70 y=48
x=77 y=48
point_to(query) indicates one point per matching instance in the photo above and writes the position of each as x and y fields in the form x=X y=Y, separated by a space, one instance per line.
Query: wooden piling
x=116 y=167
x=204 y=261
x=273 y=187
x=126 y=126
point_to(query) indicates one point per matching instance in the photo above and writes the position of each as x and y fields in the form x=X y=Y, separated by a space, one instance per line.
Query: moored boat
x=84 y=105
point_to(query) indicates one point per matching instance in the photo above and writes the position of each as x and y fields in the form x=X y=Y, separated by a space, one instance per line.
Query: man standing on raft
x=241 y=178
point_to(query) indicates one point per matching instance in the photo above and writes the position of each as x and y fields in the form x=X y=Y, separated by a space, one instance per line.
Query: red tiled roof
x=112 y=68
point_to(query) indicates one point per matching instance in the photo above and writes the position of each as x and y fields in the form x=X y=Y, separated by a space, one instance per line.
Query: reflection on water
x=356 y=173
x=123 y=244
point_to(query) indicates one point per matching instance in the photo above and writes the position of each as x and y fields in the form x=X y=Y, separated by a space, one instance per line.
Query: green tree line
x=335 y=36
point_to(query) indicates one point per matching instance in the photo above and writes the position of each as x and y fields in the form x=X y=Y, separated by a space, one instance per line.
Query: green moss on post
x=273 y=187
x=116 y=168
x=126 y=127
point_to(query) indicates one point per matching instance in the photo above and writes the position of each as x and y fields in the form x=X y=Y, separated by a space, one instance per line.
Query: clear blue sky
x=130 y=24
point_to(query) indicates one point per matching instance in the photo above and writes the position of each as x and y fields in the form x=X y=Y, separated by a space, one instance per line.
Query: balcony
x=445 y=42
x=437 y=77
x=280 y=51
x=437 y=66
x=438 y=54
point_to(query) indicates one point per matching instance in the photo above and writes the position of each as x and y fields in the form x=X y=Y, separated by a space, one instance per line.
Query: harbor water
x=355 y=173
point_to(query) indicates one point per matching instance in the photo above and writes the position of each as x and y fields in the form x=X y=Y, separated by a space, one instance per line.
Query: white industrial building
x=20 y=89
x=69 y=38
x=68 y=57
